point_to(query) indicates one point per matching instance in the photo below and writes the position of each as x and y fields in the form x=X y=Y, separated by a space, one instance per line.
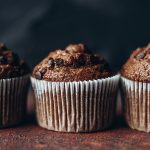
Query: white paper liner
x=13 y=93
x=75 y=106
x=136 y=97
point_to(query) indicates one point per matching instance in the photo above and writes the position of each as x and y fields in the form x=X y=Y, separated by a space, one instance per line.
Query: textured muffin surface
x=10 y=64
x=74 y=63
x=137 y=68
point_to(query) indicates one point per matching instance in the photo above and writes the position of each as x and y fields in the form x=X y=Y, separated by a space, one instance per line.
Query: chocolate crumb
x=79 y=62
x=50 y=62
x=140 y=56
x=76 y=48
x=38 y=75
x=58 y=62
x=42 y=70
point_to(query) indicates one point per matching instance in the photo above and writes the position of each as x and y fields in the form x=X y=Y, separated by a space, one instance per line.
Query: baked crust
x=10 y=64
x=137 y=67
x=74 y=63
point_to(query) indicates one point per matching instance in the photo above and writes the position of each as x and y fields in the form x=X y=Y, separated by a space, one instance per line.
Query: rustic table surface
x=30 y=136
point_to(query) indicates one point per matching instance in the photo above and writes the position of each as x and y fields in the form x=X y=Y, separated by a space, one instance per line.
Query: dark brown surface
x=30 y=136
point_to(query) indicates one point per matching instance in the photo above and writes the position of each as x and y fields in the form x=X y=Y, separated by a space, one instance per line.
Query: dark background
x=111 y=27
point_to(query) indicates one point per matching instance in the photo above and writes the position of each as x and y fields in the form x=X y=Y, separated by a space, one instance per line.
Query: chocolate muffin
x=136 y=89
x=14 y=79
x=74 y=63
x=10 y=64
x=137 y=67
x=75 y=90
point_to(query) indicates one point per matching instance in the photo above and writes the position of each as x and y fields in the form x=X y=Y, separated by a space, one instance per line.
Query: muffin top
x=74 y=63
x=137 y=68
x=10 y=64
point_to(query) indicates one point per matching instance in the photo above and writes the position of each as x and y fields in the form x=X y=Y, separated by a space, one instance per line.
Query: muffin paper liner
x=13 y=93
x=136 y=97
x=83 y=106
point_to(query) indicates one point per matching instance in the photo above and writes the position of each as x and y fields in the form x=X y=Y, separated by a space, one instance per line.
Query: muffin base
x=84 y=106
x=136 y=101
x=13 y=95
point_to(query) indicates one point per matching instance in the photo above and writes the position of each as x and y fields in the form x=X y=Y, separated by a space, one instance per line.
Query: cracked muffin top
x=10 y=64
x=74 y=63
x=137 y=67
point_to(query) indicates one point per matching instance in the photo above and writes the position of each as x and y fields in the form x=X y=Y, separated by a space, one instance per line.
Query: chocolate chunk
x=88 y=60
x=79 y=62
x=42 y=70
x=51 y=62
x=59 y=62
x=140 y=56
x=3 y=47
x=75 y=48
x=38 y=75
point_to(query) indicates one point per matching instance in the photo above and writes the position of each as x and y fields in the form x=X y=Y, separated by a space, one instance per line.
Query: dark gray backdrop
x=111 y=27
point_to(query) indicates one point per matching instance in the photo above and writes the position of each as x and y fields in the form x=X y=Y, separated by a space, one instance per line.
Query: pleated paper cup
x=13 y=93
x=83 y=106
x=136 y=97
